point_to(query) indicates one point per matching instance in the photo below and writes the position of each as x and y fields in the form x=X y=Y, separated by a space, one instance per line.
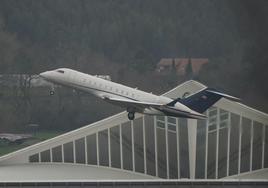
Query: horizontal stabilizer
x=204 y=99
x=232 y=98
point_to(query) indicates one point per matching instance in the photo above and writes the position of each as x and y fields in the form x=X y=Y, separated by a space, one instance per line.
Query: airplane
x=135 y=100
x=15 y=138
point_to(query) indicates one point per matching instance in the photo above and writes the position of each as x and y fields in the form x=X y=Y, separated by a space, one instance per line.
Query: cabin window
x=60 y=71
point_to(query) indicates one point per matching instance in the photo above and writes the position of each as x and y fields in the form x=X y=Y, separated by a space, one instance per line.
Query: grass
x=44 y=135
x=39 y=136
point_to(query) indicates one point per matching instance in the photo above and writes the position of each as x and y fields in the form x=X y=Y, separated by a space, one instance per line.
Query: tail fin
x=204 y=99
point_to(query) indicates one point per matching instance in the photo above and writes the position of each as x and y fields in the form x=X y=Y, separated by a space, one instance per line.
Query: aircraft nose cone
x=42 y=74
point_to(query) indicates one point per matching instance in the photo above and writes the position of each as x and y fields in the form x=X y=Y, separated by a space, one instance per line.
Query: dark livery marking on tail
x=202 y=100
x=174 y=102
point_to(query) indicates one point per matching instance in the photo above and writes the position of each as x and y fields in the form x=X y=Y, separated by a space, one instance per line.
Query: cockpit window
x=60 y=71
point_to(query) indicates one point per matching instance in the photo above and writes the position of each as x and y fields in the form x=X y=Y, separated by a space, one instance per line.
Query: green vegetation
x=125 y=39
x=44 y=135
x=6 y=147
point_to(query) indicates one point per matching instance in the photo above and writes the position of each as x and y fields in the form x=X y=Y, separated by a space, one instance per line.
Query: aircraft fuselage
x=107 y=89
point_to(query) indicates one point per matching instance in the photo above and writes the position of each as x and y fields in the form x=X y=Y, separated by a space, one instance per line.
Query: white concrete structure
x=232 y=142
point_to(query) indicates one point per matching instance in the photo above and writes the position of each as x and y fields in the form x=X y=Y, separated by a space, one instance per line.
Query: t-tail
x=203 y=99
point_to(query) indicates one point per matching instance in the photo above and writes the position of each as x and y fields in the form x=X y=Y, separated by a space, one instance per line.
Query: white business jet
x=134 y=100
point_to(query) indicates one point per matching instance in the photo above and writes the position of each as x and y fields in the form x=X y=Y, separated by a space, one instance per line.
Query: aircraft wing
x=126 y=103
x=180 y=113
x=131 y=103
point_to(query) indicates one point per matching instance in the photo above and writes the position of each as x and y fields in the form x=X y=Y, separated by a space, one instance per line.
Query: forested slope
x=126 y=39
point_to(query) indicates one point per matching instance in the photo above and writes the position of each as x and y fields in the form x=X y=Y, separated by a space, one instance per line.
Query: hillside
x=126 y=39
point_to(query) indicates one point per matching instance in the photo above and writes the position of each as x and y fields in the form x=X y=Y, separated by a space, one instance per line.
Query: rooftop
x=66 y=172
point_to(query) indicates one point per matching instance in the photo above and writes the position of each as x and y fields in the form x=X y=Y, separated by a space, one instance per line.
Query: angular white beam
x=132 y=146
x=228 y=143
x=217 y=143
x=167 y=152
x=239 y=144
x=155 y=147
x=50 y=153
x=263 y=145
x=62 y=153
x=121 y=146
x=251 y=145
x=192 y=131
x=178 y=146
x=97 y=145
x=109 y=147
x=86 y=154
x=144 y=144
x=74 y=151
x=206 y=147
